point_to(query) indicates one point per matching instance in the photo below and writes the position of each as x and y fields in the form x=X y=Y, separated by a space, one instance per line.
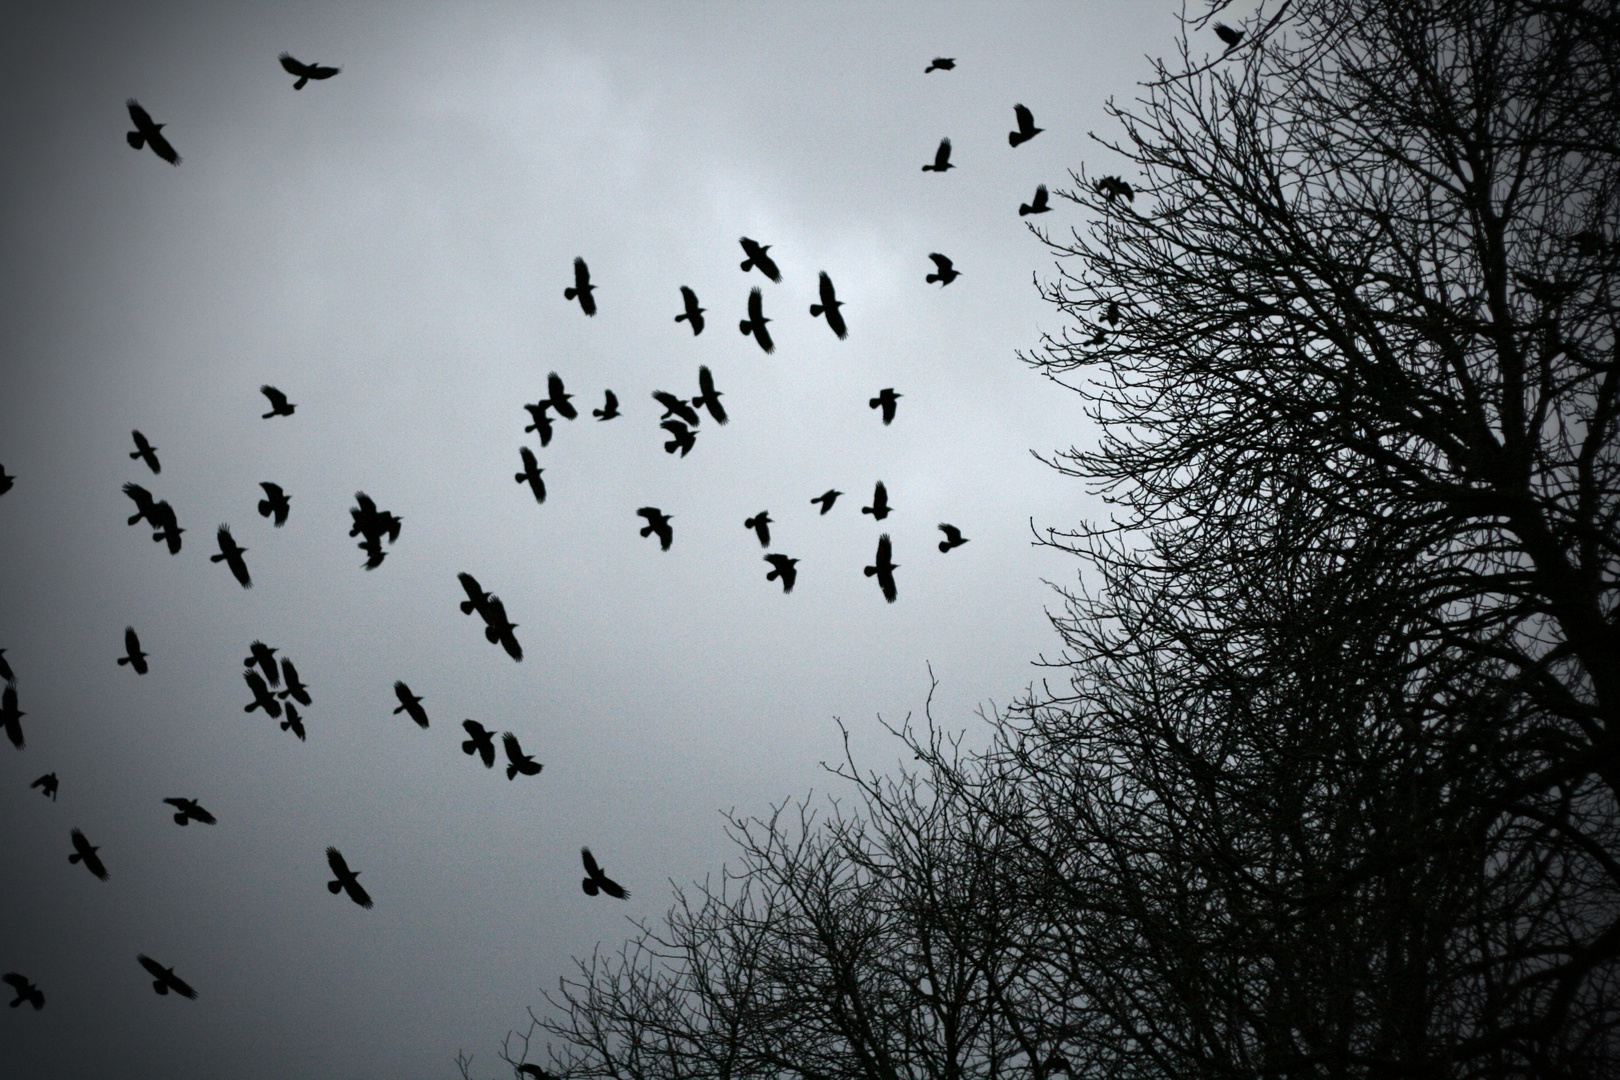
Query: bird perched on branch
x=516 y=760
x=826 y=500
x=755 y=323
x=187 y=811
x=410 y=704
x=1026 y=126
x=657 y=522
x=708 y=397
x=345 y=880
x=829 y=306
x=147 y=133
x=582 y=288
x=886 y=400
x=884 y=568
x=279 y=405
x=164 y=979
x=1036 y=205
x=275 y=503
x=480 y=740
x=133 y=656
x=83 y=852
x=531 y=474
x=25 y=990
x=305 y=72
x=880 y=503
x=941 y=63
x=598 y=882
x=757 y=258
x=146 y=452
x=953 y=537
x=761 y=524
x=944 y=271
x=942 y=158
x=782 y=567
x=693 y=315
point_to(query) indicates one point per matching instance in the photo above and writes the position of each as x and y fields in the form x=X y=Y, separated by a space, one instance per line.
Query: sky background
x=390 y=248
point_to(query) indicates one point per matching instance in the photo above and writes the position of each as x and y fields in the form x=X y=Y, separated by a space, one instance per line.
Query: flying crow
x=953 y=537
x=168 y=530
x=26 y=991
x=693 y=315
x=596 y=881
x=826 y=499
x=262 y=697
x=757 y=257
x=942 y=158
x=164 y=979
x=275 y=502
x=681 y=437
x=499 y=629
x=1026 y=127
x=132 y=652
x=708 y=397
x=147 y=133
x=582 y=288
x=829 y=307
x=346 y=880
x=295 y=687
x=294 y=723
x=783 y=568
x=1228 y=35
x=143 y=502
x=410 y=704
x=674 y=406
x=657 y=522
x=1111 y=187
x=941 y=63
x=477 y=599
x=755 y=323
x=558 y=398
x=47 y=785
x=610 y=407
x=480 y=741
x=944 y=272
x=1111 y=313
x=1035 y=206
x=265 y=657
x=187 y=810
x=884 y=569
x=880 y=503
x=517 y=760
x=305 y=72
x=83 y=852
x=5 y=481
x=886 y=401
x=279 y=405
x=761 y=524
x=10 y=715
x=146 y=452
x=531 y=474
x=541 y=422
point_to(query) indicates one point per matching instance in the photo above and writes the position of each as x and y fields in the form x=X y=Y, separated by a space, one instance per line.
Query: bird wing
x=689 y=299
x=289 y=674
x=756 y=308
x=178 y=804
x=474 y=728
x=514 y=752
x=1026 y=119
x=271 y=490
x=291 y=66
x=151 y=965
x=132 y=643
x=530 y=465
x=141 y=118
x=202 y=815
x=16 y=981
x=590 y=863
x=316 y=71
x=942 y=156
x=277 y=398
x=884 y=551
x=179 y=985
x=582 y=275
x=357 y=893
x=941 y=263
x=334 y=859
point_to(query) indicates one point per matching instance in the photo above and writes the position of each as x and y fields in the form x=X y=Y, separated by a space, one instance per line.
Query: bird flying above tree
x=942 y=158
x=757 y=258
x=829 y=308
x=582 y=288
x=345 y=880
x=884 y=568
x=1026 y=126
x=164 y=979
x=782 y=567
x=146 y=452
x=516 y=760
x=25 y=990
x=147 y=133
x=305 y=72
x=944 y=271
x=133 y=656
x=275 y=502
x=596 y=881
x=693 y=315
x=480 y=740
x=531 y=474
x=279 y=405
x=755 y=323
x=658 y=522
x=410 y=704
x=85 y=853
x=187 y=810
x=708 y=397
x=886 y=400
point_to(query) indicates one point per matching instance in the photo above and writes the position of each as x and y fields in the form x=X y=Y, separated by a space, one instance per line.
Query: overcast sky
x=390 y=247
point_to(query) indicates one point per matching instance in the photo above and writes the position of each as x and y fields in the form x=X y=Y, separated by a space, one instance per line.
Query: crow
x=944 y=272
x=1098 y=338
x=517 y=760
x=1111 y=313
x=346 y=880
x=275 y=502
x=279 y=405
x=1551 y=293
x=559 y=399
x=305 y=72
x=941 y=63
x=410 y=704
x=146 y=452
x=373 y=524
x=757 y=257
x=1110 y=187
x=880 y=503
x=582 y=288
x=829 y=307
x=1036 y=205
x=168 y=530
x=1228 y=35
x=596 y=881
x=542 y=422
x=499 y=630
x=477 y=599
x=681 y=437
x=531 y=474
x=164 y=979
x=826 y=499
x=693 y=315
x=674 y=406
x=953 y=537
x=657 y=522
x=610 y=407
x=942 y=158
x=295 y=687
x=1026 y=127
x=1057 y=1063
x=372 y=546
x=132 y=652
x=147 y=133
x=886 y=401
x=83 y=852
x=5 y=481
x=26 y=991
x=1589 y=242
x=187 y=810
x=534 y=1072
x=10 y=715
x=294 y=723
x=265 y=657
x=480 y=741
x=761 y=524
x=6 y=674
x=783 y=568
x=262 y=697
x=143 y=502
x=708 y=397
x=755 y=323
x=884 y=569
x=47 y=785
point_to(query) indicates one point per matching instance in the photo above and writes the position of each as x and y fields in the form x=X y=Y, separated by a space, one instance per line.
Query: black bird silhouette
x=534 y=1072
x=761 y=524
x=275 y=501
x=693 y=315
x=305 y=72
x=1228 y=35
x=1589 y=242
x=783 y=568
x=531 y=474
x=5 y=668
x=47 y=785
x=265 y=657
x=143 y=502
x=1111 y=314
x=829 y=307
x=944 y=272
x=610 y=407
x=657 y=522
x=164 y=979
x=596 y=881
x=146 y=452
x=1098 y=338
x=942 y=158
x=826 y=499
x=1112 y=187
x=26 y=991
x=708 y=397
x=167 y=529
x=295 y=687
x=294 y=723
x=83 y=852
x=187 y=810
x=375 y=554
x=755 y=323
x=953 y=537
x=681 y=437
x=884 y=569
x=345 y=880
x=1036 y=205
x=477 y=599
x=279 y=405
x=542 y=422
x=480 y=740
x=582 y=288
x=499 y=629
x=132 y=652
x=5 y=481
x=674 y=406
x=1057 y=1063
x=757 y=257
x=410 y=704
x=147 y=133
x=941 y=63
x=373 y=524
x=886 y=401
x=880 y=503
x=262 y=697
x=1026 y=127
x=10 y=715
x=516 y=760
x=558 y=399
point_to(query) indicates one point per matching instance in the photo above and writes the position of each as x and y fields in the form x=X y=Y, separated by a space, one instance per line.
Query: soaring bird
x=681 y=437
x=83 y=852
x=755 y=323
x=26 y=991
x=410 y=704
x=47 y=785
x=782 y=568
x=886 y=400
x=953 y=537
x=944 y=272
x=708 y=397
x=480 y=740
x=657 y=522
x=558 y=398
x=582 y=288
x=942 y=158
x=826 y=499
x=596 y=881
x=294 y=723
x=693 y=315
x=674 y=406
x=1026 y=127
x=143 y=502
x=262 y=697
x=346 y=880
x=542 y=422
x=132 y=652
x=757 y=258
x=500 y=630
x=10 y=715
x=265 y=657
x=477 y=599
x=275 y=502
x=610 y=407
x=1228 y=35
x=1035 y=206
x=166 y=528
x=880 y=503
x=187 y=810
x=147 y=133
x=516 y=760
x=1112 y=187
x=305 y=72
x=829 y=307
x=761 y=524
x=941 y=63
x=372 y=522
x=279 y=405
x=164 y=979
x=146 y=452
x=884 y=569
x=295 y=687
x=531 y=474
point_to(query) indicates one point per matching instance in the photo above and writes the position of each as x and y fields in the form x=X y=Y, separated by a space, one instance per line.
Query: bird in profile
x=1112 y=187
x=782 y=567
x=275 y=502
x=10 y=715
x=531 y=474
x=480 y=740
x=47 y=785
x=674 y=406
x=25 y=990
x=500 y=630
x=657 y=522
x=757 y=258
x=598 y=882
x=610 y=407
x=147 y=133
x=1036 y=205
x=944 y=272
x=166 y=528
x=146 y=452
x=942 y=158
x=708 y=397
x=826 y=499
x=541 y=422
x=953 y=537
x=305 y=72
x=294 y=687
x=477 y=599
x=83 y=852
x=880 y=503
x=941 y=63
x=582 y=288
x=693 y=315
x=558 y=398
x=187 y=811
x=410 y=704
x=1228 y=35
x=755 y=323
x=294 y=723
x=886 y=400
x=516 y=760
x=761 y=524
x=1026 y=126
x=132 y=652
x=6 y=481
x=262 y=696
x=164 y=979
x=681 y=437
x=279 y=405
x=829 y=308
x=344 y=879
x=264 y=657
x=884 y=569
